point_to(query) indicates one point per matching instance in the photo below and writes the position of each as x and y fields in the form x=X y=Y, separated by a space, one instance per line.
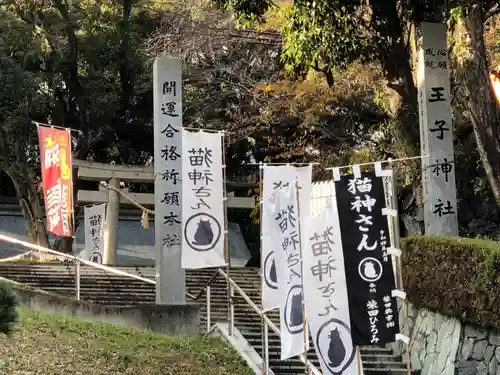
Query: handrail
x=204 y=288
x=74 y=258
x=276 y=330
x=10 y=259
x=93 y=264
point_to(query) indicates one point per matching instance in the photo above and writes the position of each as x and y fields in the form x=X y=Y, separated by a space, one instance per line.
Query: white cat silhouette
x=369 y=270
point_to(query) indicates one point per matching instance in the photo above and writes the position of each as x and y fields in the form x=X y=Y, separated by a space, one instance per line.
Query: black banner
x=368 y=266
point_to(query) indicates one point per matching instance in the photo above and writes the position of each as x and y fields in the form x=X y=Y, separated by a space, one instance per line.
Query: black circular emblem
x=270 y=275
x=334 y=345
x=202 y=232
x=294 y=320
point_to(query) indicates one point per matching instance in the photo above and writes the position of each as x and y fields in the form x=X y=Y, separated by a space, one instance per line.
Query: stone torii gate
x=113 y=174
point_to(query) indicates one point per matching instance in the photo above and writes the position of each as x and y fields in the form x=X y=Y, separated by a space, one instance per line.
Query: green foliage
x=246 y=11
x=8 y=313
x=88 y=61
x=310 y=121
x=455 y=276
x=52 y=345
x=324 y=35
x=20 y=96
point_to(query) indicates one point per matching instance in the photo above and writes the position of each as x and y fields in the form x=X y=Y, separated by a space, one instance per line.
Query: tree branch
x=124 y=69
x=70 y=71
x=492 y=12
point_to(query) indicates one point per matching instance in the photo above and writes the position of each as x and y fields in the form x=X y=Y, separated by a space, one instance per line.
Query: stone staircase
x=105 y=288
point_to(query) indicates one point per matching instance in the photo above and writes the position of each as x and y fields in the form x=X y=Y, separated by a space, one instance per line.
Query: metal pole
x=231 y=311
x=230 y=308
x=77 y=279
x=395 y=241
x=208 y=309
x=304 y=320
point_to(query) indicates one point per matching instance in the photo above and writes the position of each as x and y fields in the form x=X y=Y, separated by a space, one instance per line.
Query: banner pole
x=263 y=329
x=43 y=189
x=73 y=218
x=226 y=239
x=358 y=358
x=266 y=347
x=304 y=320
x=395 y=234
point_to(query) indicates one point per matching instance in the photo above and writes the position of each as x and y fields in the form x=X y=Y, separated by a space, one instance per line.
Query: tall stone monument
x=167 y=86
x=436 y=131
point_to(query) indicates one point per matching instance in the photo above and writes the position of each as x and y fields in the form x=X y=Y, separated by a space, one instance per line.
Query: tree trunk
x=29 y=201
x=484 y=111
x=39 y=227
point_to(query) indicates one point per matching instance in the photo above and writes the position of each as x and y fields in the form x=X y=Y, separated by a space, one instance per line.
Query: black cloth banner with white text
x=368 y=266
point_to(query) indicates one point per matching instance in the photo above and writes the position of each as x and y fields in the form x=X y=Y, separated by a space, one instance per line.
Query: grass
x=44 y=344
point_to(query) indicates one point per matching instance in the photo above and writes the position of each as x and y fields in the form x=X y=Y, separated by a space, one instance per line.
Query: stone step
x=365 y=352
x=235 y=274
x=367 y=362
x=374 y=371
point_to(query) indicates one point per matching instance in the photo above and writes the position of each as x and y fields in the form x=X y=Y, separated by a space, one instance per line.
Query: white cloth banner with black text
x=275 y=178
x=326 y=301
x=284 y=232
x=203 y=215
x=95 y=219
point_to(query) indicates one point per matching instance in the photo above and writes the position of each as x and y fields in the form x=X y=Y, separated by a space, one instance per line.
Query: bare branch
x=492 y=12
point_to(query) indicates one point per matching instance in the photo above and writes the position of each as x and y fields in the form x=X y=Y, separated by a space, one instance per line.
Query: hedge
x=455 y=276
x=8 y=312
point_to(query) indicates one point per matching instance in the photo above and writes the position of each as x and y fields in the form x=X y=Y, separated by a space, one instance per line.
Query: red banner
x=55 y=157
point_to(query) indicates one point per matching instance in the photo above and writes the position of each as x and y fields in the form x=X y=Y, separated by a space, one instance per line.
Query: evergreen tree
x=8 y=312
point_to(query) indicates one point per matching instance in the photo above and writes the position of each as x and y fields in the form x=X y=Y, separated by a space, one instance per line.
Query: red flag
x=55 y=157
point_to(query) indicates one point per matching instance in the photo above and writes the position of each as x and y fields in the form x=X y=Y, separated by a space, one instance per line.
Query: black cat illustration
x=96 y=257
x=336 y=350
x=204 y=234
x=272 y=272
x=296 y=311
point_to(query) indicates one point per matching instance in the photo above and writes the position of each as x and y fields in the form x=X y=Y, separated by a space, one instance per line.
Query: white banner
x=95 y=219
x=203 y=237
x=274 y=178
x=326 y=302
x=284 y=232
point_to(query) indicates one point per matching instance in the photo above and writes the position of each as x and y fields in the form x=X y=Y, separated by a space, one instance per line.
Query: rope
x=131 y=200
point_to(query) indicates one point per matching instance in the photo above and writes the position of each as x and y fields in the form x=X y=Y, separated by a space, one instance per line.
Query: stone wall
x=441 y=345
x=173 y=320
x=434 y=341
x=479 y=352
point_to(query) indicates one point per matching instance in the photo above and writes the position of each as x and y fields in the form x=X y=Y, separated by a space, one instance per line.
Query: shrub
x=455 y=276
x=8 y=312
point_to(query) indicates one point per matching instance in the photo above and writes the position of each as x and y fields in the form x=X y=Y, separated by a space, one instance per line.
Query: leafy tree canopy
x=330 y=35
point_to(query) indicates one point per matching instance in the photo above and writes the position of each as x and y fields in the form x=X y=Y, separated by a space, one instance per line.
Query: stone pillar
x=167 y=92
x=436 y=131
x=112 y=218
